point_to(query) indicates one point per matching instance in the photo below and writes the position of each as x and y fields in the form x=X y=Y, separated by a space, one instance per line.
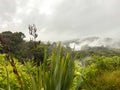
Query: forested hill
x=99 y=51
x=22 y=49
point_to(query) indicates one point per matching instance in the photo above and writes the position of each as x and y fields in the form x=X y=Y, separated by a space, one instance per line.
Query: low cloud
x=62 y=19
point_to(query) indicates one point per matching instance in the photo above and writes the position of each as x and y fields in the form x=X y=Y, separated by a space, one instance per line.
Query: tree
x=32 y=31
x=13 y=41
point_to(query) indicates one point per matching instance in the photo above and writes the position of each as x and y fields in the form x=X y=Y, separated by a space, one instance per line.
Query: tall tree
x=13 y=40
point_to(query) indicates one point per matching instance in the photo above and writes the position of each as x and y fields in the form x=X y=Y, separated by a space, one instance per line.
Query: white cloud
x=62 y=19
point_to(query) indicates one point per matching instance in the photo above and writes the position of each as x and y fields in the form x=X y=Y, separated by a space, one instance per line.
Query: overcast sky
x=62 y=19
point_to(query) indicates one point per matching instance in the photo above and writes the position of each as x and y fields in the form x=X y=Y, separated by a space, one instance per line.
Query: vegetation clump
x=34 y=65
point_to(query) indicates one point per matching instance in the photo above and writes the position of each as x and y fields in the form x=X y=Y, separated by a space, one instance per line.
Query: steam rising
x=80 y=44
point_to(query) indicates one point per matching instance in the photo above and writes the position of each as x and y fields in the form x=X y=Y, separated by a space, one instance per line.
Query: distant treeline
x=14 y=44
x=34 y=50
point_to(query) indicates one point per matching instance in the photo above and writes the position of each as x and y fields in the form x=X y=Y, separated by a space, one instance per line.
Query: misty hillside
x=85 y=43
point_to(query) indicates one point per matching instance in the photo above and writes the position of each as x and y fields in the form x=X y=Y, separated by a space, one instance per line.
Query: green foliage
x=1 y=48
x=60 y=77
x=13 y=41
x=61 y=72
x=98 y=51
x=8 y=80
x=107 y=81
x=95 y=68
x=102 y=73
x=56 y=73
x=38 y=54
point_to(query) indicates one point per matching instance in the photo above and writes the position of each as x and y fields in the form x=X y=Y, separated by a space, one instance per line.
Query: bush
x=57 y=72
x=103 y=74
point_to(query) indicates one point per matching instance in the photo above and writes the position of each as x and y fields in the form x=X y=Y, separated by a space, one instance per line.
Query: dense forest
x=36 y=65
